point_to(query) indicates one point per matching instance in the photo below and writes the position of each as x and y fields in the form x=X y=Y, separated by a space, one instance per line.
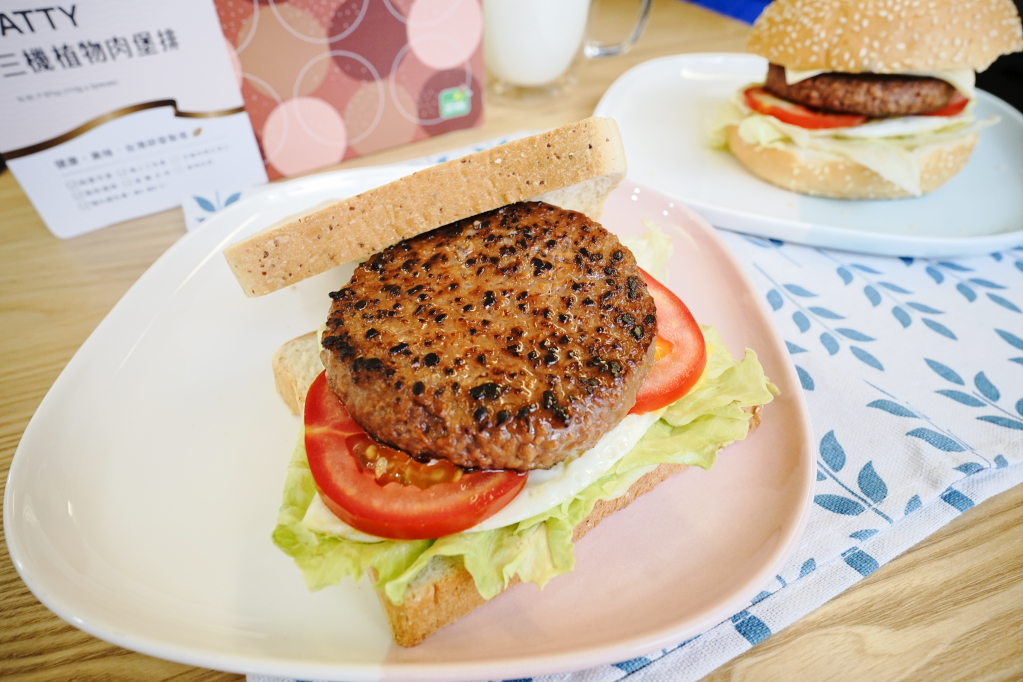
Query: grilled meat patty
x=508 y=340
x=867 y=94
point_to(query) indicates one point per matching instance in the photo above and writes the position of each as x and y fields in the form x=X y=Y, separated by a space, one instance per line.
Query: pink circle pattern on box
x=443 y=34
x=378 y=38
x=399 y=8
x=337 y=89
x=372 y=131
x=258 y=106
x=303 y=134
x=417 y=77
x=276 y=53
x=428 y=108
x=231 y=14
x=338 y=17
x=328 y=80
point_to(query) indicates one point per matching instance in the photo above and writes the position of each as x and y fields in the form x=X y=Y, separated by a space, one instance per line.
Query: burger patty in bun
x=839 y=70
x=865 y=94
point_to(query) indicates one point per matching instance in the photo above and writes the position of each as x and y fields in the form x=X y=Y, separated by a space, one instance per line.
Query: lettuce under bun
x=827 y=174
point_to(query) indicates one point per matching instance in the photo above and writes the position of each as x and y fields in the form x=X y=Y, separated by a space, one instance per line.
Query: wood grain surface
x=951 y=608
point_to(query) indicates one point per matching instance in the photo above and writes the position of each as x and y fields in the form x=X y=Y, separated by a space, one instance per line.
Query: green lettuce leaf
x=691 y=431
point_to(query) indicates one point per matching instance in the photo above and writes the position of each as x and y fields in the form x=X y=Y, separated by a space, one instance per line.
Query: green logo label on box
x=455 y=102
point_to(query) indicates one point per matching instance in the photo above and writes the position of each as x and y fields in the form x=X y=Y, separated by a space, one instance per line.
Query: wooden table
x=951 y=608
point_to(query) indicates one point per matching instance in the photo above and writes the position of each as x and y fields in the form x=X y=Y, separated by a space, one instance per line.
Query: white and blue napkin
x=913 y=374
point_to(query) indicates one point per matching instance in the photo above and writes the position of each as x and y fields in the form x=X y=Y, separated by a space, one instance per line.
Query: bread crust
x=819 y=173
x=588 y=153
x=296 y=365
x=878 y=37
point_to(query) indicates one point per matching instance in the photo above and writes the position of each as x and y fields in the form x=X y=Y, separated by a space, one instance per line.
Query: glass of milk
x=529 y=46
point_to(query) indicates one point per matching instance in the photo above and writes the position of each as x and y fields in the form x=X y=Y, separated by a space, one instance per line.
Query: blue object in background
x=743 y=10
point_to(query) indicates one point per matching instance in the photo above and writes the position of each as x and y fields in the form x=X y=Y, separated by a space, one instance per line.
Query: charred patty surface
x=508 y=340
x=867 y=94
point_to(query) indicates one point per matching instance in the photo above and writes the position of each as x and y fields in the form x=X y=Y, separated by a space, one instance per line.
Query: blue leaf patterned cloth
x=913 y=374
x=913 y=425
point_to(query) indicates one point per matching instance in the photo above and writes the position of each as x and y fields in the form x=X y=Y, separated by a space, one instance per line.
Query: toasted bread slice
x=574 y=167
x=444 y=591
x=296 y=365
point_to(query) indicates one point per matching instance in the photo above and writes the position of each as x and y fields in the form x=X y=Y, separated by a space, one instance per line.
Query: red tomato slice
x=762 y=101
x=954 y=107
x=384 y=492
x=681 y=350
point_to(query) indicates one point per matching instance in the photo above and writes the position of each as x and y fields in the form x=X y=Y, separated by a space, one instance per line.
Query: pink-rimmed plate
x=142 y=496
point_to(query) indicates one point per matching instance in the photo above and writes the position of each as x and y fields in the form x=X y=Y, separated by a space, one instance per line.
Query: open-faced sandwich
x=498 y=376
x=866 y=99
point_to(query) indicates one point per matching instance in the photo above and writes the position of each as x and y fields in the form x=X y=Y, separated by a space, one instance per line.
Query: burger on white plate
x=500 y=374
x=871 y=99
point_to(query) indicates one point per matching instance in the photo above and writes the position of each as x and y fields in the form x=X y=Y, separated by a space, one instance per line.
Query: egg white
x=545 y=489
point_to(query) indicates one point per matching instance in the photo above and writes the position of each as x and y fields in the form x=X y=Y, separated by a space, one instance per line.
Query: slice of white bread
x=820 y=173
x=444 y=591
x=296 y=365
x=574 y=167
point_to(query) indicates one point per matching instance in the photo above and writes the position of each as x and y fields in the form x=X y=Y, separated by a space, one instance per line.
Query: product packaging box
x=112 y=110
x=329 y=80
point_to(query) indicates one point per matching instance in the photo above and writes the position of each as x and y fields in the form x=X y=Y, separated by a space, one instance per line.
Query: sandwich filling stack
x=866 y=100
x=485 y=391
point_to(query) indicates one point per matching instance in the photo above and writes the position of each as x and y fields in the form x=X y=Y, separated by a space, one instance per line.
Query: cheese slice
x=963 y=80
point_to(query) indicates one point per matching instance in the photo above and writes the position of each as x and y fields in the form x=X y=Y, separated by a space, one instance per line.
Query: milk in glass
x=530 y=43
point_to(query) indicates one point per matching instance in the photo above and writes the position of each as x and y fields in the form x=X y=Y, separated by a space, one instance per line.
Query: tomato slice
x=760 y=100
x=954 y=107
x=681 y=351
x=383 y=492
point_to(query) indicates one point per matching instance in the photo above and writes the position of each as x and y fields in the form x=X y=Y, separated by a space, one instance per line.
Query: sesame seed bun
x=886 y=36
x=809 y=171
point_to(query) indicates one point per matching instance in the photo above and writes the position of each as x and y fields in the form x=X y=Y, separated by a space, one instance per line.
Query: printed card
x=113 y=110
